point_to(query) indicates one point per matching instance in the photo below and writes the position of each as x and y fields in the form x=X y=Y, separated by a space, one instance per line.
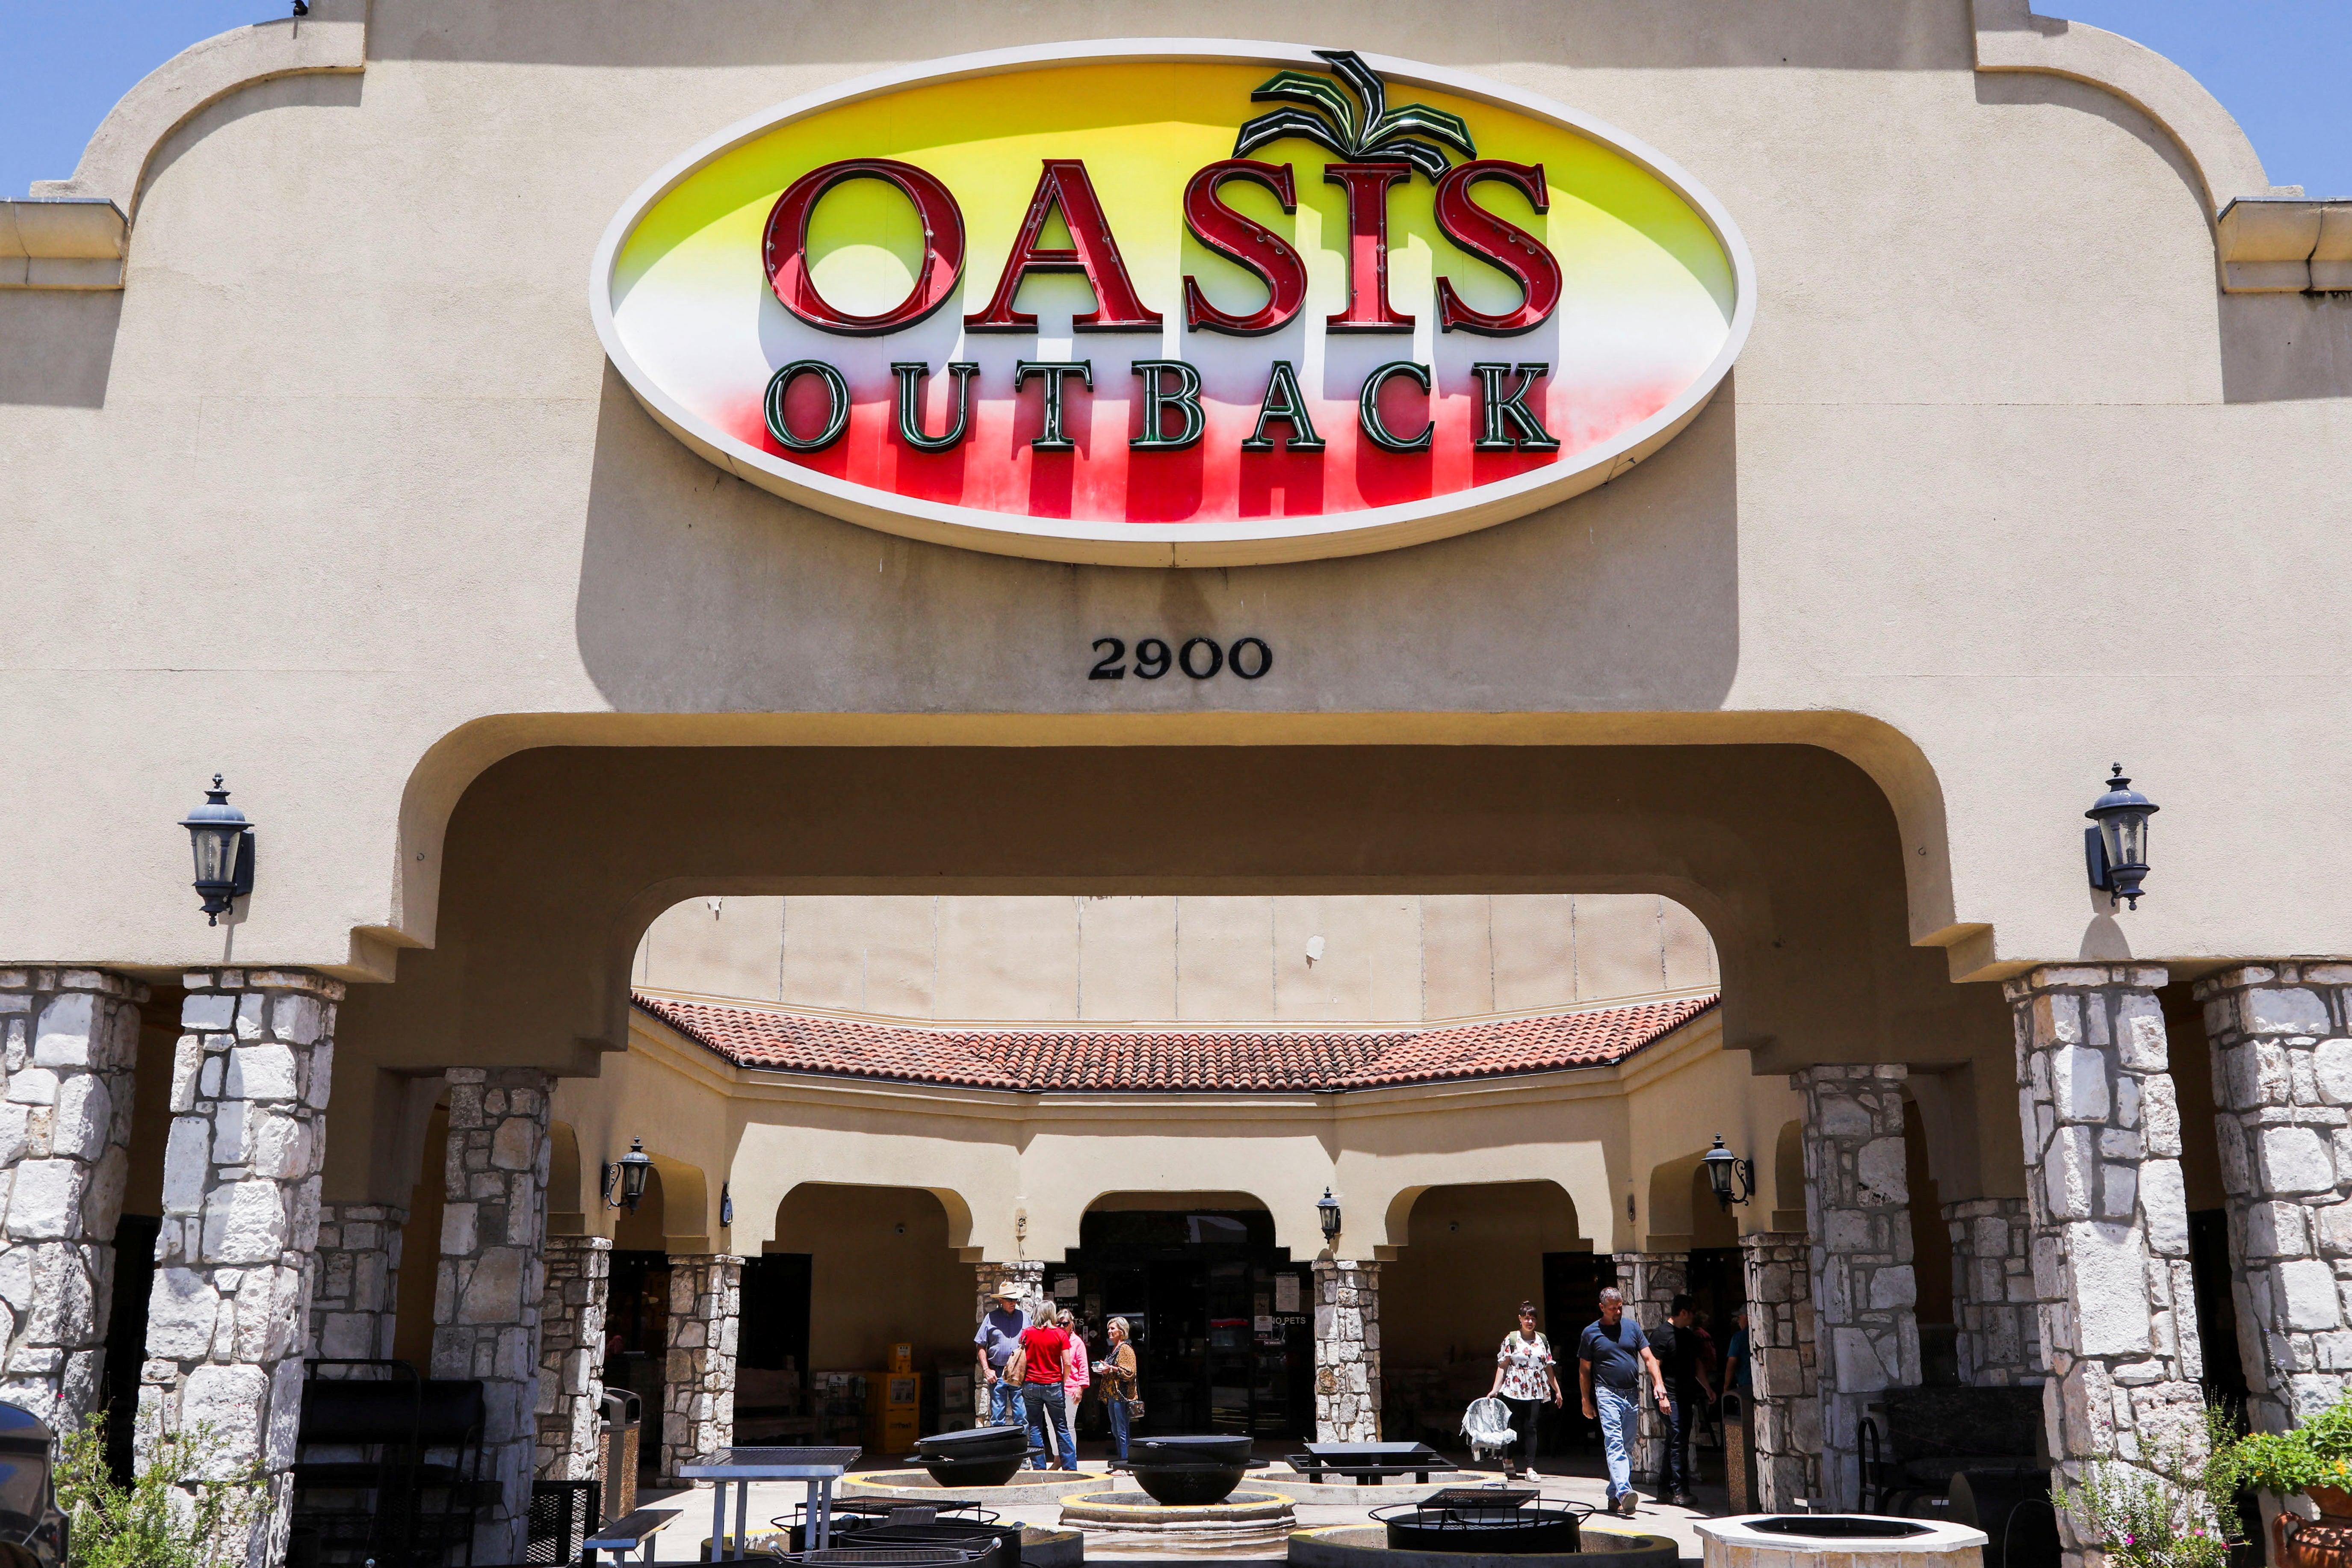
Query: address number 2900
x=1200 y=657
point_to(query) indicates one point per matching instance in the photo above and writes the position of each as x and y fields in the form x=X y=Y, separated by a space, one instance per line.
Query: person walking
x=1075 y=1373
x=1525 y=1377
x=1736 y=1377
x=1611 y=1357
x=1000 y=1333
x=1680 y=1355
x=1036 y=1370
x=1117 y=1369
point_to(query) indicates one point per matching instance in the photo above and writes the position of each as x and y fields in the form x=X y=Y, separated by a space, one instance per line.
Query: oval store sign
x=1174 y=302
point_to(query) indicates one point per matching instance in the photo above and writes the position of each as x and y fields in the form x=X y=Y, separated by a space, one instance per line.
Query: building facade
x=1887 y=418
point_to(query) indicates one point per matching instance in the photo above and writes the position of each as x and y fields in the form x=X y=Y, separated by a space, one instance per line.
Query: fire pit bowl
x=1490 y=1522
x=982 y=1457
x=1190 y=1471
x=1787 y=1540
x=1215 y=1448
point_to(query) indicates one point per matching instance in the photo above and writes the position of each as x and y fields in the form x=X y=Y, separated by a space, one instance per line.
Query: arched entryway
x=1473 y=1252
x=1223 y=1319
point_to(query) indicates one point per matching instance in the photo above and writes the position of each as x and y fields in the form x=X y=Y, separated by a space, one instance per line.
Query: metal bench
x=1369 y=1464
x=633 y=1532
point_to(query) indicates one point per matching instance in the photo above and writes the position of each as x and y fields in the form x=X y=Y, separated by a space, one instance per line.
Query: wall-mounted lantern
x=2117 y=848
x=1725 y=1170
x=1326 y=1210
x=628 y=1174
x=727 y=1206
x=223 y=840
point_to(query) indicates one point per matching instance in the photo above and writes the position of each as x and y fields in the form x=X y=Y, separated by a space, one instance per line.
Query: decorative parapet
x=2269 y=239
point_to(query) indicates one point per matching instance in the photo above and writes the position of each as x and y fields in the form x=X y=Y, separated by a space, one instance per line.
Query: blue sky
x=2280 y=66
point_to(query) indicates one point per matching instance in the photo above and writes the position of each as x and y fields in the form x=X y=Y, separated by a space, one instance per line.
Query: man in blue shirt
x=1611 y=1357
x=999 y=1336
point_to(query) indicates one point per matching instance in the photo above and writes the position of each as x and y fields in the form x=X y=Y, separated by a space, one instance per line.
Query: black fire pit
x=1186 y=1472
x=1493 y=1521
x=982 y=1457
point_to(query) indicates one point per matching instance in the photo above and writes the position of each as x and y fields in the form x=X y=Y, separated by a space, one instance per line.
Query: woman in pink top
x=1075 y=1375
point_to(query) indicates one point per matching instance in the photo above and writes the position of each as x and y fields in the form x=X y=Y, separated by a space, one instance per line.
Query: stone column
x=71 y=1041
x=1347 y=1351
x=2110 y=1221
x=706 y=1296
x=1993 y=1298
x=1858 y=1212
x=230 y=1313
x=1650 y=1281
x=2282 y=1038
x=1786 y=1421
x=486 y=1293
x=572 y=1356
x=353 y=1295
x=1025 y=1280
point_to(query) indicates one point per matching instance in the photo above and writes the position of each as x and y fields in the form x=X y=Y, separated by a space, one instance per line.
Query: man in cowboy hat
x=999 y=1337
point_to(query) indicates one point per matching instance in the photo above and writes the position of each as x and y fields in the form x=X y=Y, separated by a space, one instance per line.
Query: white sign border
x=1245 y=542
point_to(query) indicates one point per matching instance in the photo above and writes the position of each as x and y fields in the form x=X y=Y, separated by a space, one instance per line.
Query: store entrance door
x=1223 y=1321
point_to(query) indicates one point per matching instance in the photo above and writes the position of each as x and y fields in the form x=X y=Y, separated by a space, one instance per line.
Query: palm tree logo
x=1361 y=128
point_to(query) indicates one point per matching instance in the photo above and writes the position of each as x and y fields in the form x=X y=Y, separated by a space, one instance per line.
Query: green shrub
x=167 y=1517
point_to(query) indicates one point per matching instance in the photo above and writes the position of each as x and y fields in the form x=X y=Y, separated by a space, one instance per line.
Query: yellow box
x=902 y=1358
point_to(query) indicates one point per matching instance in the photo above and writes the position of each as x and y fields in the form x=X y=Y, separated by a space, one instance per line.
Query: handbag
x=1135 y=1408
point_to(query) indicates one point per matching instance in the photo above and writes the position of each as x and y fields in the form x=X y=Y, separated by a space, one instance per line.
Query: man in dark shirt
x=1682 y=1356
x=1611 y=1356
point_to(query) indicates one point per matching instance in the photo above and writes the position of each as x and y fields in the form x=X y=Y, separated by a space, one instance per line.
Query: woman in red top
x=1036 y=1367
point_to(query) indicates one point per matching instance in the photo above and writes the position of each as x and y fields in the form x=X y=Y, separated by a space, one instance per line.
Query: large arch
x=883 y=1270
x=1790 y=854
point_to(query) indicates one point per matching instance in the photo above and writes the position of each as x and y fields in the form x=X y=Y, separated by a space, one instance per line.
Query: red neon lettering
x=785 y=248
x=1366 y=186
x=1091 y=251
x=1501 y=245
x=1246 y=243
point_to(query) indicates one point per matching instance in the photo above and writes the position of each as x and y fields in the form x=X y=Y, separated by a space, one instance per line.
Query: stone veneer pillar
x=1993 y=1298
x=706 y=1298
x=353 y=1294
x=2110 y=1219
x=71 y=1043
x=1347 y=1351
x=1650 y=1281
x=486 y=1293
x=2282 y=1038
x=572 y=1356
x=1785 y=1423
x=1858 y=1212
x=1025 y=1280
x=228 y=1316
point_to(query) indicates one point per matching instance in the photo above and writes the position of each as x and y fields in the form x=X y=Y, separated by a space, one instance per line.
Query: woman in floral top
x=1525 y=1376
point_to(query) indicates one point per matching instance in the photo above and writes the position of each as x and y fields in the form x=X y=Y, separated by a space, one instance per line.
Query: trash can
x=624 y=1421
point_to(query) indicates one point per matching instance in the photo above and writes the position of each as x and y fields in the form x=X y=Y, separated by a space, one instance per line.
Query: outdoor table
x=820 y=1468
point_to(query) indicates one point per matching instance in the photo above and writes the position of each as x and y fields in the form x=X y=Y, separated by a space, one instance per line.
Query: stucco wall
x=1194 y=960
x=880 y=1273
x=1472 y=1255
x=344 y=479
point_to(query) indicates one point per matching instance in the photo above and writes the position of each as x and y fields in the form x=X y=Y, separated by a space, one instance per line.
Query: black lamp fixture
x=1724 y=1169
x=1326 y=1209
x=727 y=1206
x=223 y=840
x=2117 y=847
x=628 y=1173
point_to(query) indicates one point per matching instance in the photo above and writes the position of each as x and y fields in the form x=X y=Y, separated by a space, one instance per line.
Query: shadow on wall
x=701 y=593
x=1857 y=35
x=2279 y=348
x=60 y=349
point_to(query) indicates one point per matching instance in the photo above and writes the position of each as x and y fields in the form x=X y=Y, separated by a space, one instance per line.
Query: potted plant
x=2314 y=1461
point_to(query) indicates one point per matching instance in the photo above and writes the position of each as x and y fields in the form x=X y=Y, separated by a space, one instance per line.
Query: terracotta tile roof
x=1036 y=1059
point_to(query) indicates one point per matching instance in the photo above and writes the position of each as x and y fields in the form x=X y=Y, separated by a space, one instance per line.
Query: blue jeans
x=1004 y=1402
x=1042 y=1399
x=1620 y=1416
x=1118 y=1409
